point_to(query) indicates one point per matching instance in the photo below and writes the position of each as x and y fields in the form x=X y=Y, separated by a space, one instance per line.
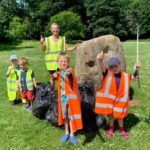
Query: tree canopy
x=78 y=19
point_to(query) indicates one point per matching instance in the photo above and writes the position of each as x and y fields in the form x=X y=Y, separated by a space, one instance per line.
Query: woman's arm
x=71 y=48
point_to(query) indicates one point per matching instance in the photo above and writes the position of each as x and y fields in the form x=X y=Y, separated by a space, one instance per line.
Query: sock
x=121 y=128
x=111 y=128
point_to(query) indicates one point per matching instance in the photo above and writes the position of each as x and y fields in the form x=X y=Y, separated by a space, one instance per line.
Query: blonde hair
x=63 y=54
x=24 y=60
x=55 y=25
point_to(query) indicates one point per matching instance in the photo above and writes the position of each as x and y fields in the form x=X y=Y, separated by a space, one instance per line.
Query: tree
x=139 y=13
x=70 y=25
x=16 y=29
x=106 y=17
x=39 y=12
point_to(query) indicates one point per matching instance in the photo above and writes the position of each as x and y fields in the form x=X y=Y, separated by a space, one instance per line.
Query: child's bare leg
x=73 y=139
x=122 y=130
x=111 y=127
x=71 y=130
x=31 y=103
x=65 y=137
x=111 y=121
x=120 y=122
x=66 y=126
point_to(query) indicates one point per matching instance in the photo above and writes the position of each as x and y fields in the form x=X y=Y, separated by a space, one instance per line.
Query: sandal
x=110 y=132
x=64 y=138
x=124 y=133
x=73 y=140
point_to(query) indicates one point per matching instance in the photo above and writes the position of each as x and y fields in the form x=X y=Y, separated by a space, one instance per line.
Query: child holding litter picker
x=69 y=109
x=113 y=97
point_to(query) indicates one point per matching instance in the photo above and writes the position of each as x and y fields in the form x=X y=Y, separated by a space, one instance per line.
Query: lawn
x=20 y=130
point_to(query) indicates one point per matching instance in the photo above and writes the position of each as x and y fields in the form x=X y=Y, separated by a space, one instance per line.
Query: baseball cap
x=113 y=61
x=13 y=57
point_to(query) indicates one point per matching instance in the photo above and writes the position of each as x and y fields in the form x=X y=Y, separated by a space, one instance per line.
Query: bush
x=70 y=25
x=16 y=29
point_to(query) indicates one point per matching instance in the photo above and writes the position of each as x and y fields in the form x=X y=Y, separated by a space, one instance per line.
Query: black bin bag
x=52 y=113
x=43 y=98
x=87 y=95
x=91 y=121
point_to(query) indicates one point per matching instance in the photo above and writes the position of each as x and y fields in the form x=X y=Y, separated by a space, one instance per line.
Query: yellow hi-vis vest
x=29 y=80
x=52 y=51
x=12 y=86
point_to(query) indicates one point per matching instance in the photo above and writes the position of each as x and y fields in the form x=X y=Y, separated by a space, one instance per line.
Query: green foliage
x=139 y=13
x=106 y=17
x=70 y=25
x=40 y=12
x=20 y=130
x=16 y=29
x=99 y=17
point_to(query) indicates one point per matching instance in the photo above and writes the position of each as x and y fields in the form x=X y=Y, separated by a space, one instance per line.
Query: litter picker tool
x=137 y=64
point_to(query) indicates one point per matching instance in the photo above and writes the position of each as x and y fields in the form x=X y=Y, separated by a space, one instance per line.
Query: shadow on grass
x=131 y=121
x=13 y=46
x=90 y=136
x=147 y=120
x=91 y=132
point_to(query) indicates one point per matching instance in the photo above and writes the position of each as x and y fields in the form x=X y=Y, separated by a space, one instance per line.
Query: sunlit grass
x=19 y=130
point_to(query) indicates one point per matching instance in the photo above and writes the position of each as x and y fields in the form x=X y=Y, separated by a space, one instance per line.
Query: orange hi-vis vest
x=109 y=100
x=74 y=103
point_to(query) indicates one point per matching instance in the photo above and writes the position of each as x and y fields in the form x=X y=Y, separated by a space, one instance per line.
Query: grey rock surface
x=86 y=64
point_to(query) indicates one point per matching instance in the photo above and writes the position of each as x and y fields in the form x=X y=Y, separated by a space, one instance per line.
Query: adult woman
x=52 y=46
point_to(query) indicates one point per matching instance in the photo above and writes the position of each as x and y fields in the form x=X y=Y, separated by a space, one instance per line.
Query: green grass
x=19 y=130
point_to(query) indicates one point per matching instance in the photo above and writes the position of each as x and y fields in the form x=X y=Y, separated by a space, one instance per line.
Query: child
x=69 y=109
x=112 y=98
x=12 y=90
x=26 y=82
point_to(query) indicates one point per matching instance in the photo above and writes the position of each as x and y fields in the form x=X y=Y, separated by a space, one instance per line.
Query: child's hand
x=68 y=71
x=55 y=74
x=36 y=86
x=100 y=57
x=11 y=68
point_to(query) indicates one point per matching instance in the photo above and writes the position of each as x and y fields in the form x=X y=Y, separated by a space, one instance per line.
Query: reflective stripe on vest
x=100 y=105
x=74 y=117
x=120 y=110
x=52 y=52
x=105 y=95
x=11 y=81
x=72 y=96
x=11 y=89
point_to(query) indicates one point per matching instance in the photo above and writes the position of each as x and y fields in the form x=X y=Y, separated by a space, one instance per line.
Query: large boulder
x=87 y=67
